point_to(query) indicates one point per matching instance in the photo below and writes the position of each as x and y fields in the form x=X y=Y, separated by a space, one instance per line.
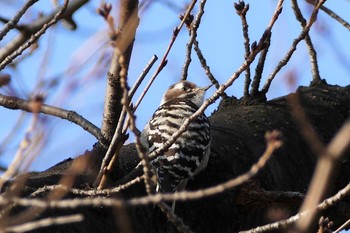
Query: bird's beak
x=207 y=87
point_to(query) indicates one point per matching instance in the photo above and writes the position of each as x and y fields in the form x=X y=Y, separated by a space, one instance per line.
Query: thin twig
x=163 y=62
x=34 y=37
x=137 y=84
x=329 y=202
x=188 y=58
x=117 y=141
x=336 y=17
x=12 y=102
x=206 y=68
x=82 y=192
x=296 y=41
x=273 y=143
x=142 y=76
x=241 y=10
x=260 y=68
x=192 y=29
x=312 y=52
x=37 y=25
x=13 y=22
x=342 y=227
x=34 y=225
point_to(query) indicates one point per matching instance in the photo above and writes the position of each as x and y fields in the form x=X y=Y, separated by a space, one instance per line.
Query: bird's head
x=185 y=90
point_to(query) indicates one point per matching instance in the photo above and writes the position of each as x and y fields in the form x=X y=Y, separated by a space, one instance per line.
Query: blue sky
x=220 y=39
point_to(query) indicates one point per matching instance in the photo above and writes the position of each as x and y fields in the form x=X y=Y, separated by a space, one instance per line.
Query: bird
x=189 y=154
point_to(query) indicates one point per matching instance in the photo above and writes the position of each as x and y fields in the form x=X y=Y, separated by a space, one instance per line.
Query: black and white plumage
x=189 y=154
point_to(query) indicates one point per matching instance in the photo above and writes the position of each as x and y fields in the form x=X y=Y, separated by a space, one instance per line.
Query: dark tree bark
x=238 y=128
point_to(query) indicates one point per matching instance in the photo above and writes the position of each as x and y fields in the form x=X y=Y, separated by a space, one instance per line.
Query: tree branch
x=128 y=22
x=30 y=226
x=14 y=103
x=14 y=48
x=284 y=223
x=289 y=54
x=13 y=22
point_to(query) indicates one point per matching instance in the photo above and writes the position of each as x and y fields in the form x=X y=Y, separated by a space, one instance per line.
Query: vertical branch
x=124 y=41
x=192 y=30
x=189 y=46
x=312 y=52
x=241 y=10
x=259 y=68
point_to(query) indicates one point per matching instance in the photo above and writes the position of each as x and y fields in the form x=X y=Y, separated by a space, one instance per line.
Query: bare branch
x=25 y=105
x=13 y=22
x=34 y=225
x=264 y=46
x=329 y=202
x=336 y=17
x=312 y=52
x=82 y=192
x=128 y=22
x=241 y=10
x=142 y=76
x=37 y=29
x=260 y=68
x=342 y=227
x=289 y=54
x=192 y=29
x=114 y=114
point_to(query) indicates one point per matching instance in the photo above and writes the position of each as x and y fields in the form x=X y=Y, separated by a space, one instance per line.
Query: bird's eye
x=186 y=89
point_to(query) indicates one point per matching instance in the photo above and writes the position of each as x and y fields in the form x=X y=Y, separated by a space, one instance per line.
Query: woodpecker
x=189 y=154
